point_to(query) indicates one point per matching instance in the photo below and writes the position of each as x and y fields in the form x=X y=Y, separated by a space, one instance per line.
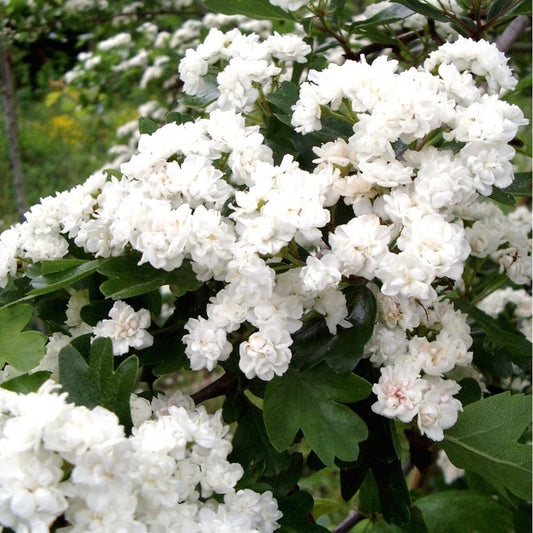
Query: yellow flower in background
x=64 y=127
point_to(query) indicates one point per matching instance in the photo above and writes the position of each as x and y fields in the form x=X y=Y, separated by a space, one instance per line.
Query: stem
x=348 y=53
x=223 y=385
x=512 y=32
x=347 y=524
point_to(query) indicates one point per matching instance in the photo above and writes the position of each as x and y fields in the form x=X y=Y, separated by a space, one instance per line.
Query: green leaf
x=457 y=511
x=485 y=441
x=15 y=290
x=284 y=482
x=21 y=349
x=381 y=453
x=521 y=185
x=27 y=382
x=256 y=9
x=96 y=383
x=502 y=10
x=393 y=493
x=311 y=399
x=470 y=391
x=393 y=13
x=284 y=97
x=332 y=129
x=495 y=8
x=178 y=118
x=347 y=349
x=425 y=9
x=250 y=444
x=59 y=265
x=147 y=126
x=128 y=279
x=167 y=354
x=59 y=278
x=521 y=347
x=499 y=196
x=295 y=508
x=314 y=343
x=112 y=172
x=369 y=496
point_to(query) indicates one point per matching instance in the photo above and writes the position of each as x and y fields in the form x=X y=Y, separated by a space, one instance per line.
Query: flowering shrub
x=331 y=229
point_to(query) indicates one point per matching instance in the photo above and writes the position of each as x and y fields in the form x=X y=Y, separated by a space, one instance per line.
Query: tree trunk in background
x=8 y=104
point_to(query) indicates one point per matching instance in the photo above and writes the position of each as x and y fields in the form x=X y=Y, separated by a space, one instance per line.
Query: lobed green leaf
x=95 y=382
x=485 y=441
x=312 y=399
x=21 y=349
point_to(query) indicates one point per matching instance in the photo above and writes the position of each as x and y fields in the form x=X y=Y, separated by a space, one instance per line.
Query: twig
x=223 y=385
x=347 y=524
x=512 y=32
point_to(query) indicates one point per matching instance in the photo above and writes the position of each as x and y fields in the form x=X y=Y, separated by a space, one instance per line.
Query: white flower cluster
x=413 y=366
x=171 y=474
x=250 y=65
x=209 y=192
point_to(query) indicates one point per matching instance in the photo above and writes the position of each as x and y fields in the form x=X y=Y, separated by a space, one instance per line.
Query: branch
x=347 y=524
x=512 y=32
x=223 y=385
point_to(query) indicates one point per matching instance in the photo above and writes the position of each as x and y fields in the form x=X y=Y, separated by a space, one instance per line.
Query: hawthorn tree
x=327 y=218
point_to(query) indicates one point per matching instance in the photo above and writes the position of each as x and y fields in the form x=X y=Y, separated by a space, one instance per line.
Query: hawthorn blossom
x=400 y=391
x=126 y=328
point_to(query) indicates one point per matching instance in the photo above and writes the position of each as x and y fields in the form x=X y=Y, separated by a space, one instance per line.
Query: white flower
x=443 y=180
x=332 y=304
x=77 y=300
x=438 y=409
x=266 y=353
x=386 y=344
x=439 y=244
x=399 y=392
x=206 y=343
x=360 y=245
x=126 y=328
x=485 y=236
x=480 y=57
x=404 y=274
x=489 y=163
x=9 y=241
x=436 y=357
x=320 y=274
x=288 y=47
x=489 y=120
